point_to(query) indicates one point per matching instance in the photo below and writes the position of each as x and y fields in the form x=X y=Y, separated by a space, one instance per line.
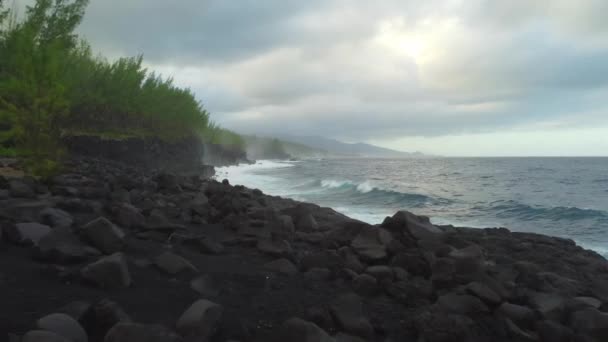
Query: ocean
x=565 y=197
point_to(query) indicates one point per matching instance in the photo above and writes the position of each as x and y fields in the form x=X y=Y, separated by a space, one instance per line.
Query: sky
x=447 y=77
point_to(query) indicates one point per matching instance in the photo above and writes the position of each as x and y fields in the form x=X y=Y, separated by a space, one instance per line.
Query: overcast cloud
x=450 y=77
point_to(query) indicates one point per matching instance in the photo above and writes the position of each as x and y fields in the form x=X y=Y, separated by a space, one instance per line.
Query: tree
x=32 y=88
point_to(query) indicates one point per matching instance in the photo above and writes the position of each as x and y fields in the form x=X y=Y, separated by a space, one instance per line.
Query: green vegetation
x=52 y=85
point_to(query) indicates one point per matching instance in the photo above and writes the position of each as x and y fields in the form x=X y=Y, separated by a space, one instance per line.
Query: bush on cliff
x=51 y=85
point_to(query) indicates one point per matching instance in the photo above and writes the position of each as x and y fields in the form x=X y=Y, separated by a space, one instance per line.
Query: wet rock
x=63 y=325
x=521 y=315
x=418 y=227
x=134 y=332
x=591 y=322
x=43 y=336
x=483 y=292
x=172 y=263
x=19 y=188
x=104 y=235
x=200 y=320
x=282 y=266
x=368 y=246
x=365 y=285
x=59 y=246
x=28 y=233
x=56 y=218
x=127 y=216
x=347 y=310
x=550 y=331
x=108 y=272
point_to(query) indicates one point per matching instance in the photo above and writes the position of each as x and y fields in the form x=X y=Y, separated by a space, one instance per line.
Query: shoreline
x=181 y=256
x=234 y=174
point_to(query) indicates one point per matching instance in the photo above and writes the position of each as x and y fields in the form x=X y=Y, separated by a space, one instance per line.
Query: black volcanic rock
x=248 y=262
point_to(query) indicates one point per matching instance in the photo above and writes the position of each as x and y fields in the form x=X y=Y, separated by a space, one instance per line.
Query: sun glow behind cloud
x=436 y=76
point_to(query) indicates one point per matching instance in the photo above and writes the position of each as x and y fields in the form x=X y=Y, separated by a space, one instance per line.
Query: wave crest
x=522 y=211
x=366 y=191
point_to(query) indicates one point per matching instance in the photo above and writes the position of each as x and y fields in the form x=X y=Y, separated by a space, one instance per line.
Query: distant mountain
x=338 y=148
x=259 y=147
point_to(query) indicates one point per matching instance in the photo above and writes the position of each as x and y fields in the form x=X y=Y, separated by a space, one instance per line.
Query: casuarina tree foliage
x=51 y=85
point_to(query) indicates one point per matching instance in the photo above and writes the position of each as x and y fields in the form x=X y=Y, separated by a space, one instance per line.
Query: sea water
x=566 y=197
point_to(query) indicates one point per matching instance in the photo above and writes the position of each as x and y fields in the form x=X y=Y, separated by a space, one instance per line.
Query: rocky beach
x=110 y=252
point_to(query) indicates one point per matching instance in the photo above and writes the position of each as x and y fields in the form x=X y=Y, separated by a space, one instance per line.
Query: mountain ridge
x=359 y=149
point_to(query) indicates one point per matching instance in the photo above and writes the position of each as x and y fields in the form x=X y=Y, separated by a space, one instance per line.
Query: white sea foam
x=247 y=175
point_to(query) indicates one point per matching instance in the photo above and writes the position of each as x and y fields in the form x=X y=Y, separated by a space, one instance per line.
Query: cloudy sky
x=451 y=77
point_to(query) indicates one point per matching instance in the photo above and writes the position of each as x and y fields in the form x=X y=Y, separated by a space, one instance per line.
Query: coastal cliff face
x=186 y=155
x=108 y=252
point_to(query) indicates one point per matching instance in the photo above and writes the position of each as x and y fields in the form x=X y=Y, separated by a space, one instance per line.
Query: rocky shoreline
x=108 y=252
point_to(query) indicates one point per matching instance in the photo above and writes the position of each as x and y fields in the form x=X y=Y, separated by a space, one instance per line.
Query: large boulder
x=590 y=322
x=351 y=260
x=63 y=325
x=172 y=263
x=128 y=216
x=108 y=272
x=19 y=188
x=200 y=205
x=134 y=332
x=200 y=320
x=461 y=304
x=365 y=284
x=307 y=223
x=102 y=316
x=205 y=286
x=368 y=244
x=273 y=247
x=347 y=310
x=282 y=266
x=419 y=227
x=56 y=218
x=521 y=315
x=483 y=292
x=550 y=331
x=298 y=330
x=59 y=246
x=549 y=306
x=28 y=233
x=104 y=235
